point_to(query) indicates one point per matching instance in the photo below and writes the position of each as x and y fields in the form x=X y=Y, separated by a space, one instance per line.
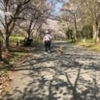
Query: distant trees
x=11 y=13
x=34 y=17
x=71 y=16
x=87 y=31
x=93 y=8
x=81 y=13
x=30 y=15
x=25 y=14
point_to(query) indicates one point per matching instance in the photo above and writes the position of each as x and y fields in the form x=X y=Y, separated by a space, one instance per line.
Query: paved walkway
x=73 y=75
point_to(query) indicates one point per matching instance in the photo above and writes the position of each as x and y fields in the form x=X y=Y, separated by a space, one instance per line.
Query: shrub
x=87 y=31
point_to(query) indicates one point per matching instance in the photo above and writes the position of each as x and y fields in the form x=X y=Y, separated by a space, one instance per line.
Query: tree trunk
x=7 y=42
x=0 y=50
x=95 y=33
x=75 y=28
x=28 y=35
x=74 y=93
x=97 y=37
x=28 y=32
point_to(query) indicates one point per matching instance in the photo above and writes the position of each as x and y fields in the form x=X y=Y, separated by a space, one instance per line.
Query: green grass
x=15 y=38
x=15 y=55
x=12 y=57
x=89 y=44
x=16 y=52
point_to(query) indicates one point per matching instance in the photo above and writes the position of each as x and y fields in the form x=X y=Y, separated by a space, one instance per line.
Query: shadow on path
x=73 y=75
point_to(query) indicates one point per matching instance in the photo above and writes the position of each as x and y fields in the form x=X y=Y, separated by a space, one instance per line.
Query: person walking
x=47 y=42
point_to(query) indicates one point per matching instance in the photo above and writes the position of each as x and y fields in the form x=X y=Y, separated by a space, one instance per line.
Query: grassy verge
x=16 y=55
x=15 y=38
x=88 y=44
x=8 y=65
x=5 y=69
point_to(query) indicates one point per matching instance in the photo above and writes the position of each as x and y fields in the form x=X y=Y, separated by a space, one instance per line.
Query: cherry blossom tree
x=11 y=11
x=90 y=14
x=93 y=6
x=71 y=15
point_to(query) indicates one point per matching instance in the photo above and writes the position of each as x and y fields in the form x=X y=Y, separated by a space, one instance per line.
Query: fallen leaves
x=5 y=79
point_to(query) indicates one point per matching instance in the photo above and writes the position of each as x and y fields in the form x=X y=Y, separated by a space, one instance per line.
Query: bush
x=87 y=31
x=69 y=33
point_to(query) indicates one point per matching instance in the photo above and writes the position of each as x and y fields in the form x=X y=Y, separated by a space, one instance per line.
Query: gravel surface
x=73 y=75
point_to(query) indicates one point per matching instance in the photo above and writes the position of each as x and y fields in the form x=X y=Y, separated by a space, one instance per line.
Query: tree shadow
x=70 y=76
x=21 y=49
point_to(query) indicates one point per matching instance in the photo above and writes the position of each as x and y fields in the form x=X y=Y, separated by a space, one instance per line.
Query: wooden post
x=0 y=50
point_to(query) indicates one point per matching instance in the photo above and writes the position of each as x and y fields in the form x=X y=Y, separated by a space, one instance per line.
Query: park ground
x=73 y=75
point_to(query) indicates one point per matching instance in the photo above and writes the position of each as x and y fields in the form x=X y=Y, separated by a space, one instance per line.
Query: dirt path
x=73 y=75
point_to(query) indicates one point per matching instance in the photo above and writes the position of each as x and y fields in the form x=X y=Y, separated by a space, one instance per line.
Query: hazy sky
x=58 y=6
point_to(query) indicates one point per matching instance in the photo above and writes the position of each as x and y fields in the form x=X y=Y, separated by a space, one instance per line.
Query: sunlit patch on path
x=73 y=75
